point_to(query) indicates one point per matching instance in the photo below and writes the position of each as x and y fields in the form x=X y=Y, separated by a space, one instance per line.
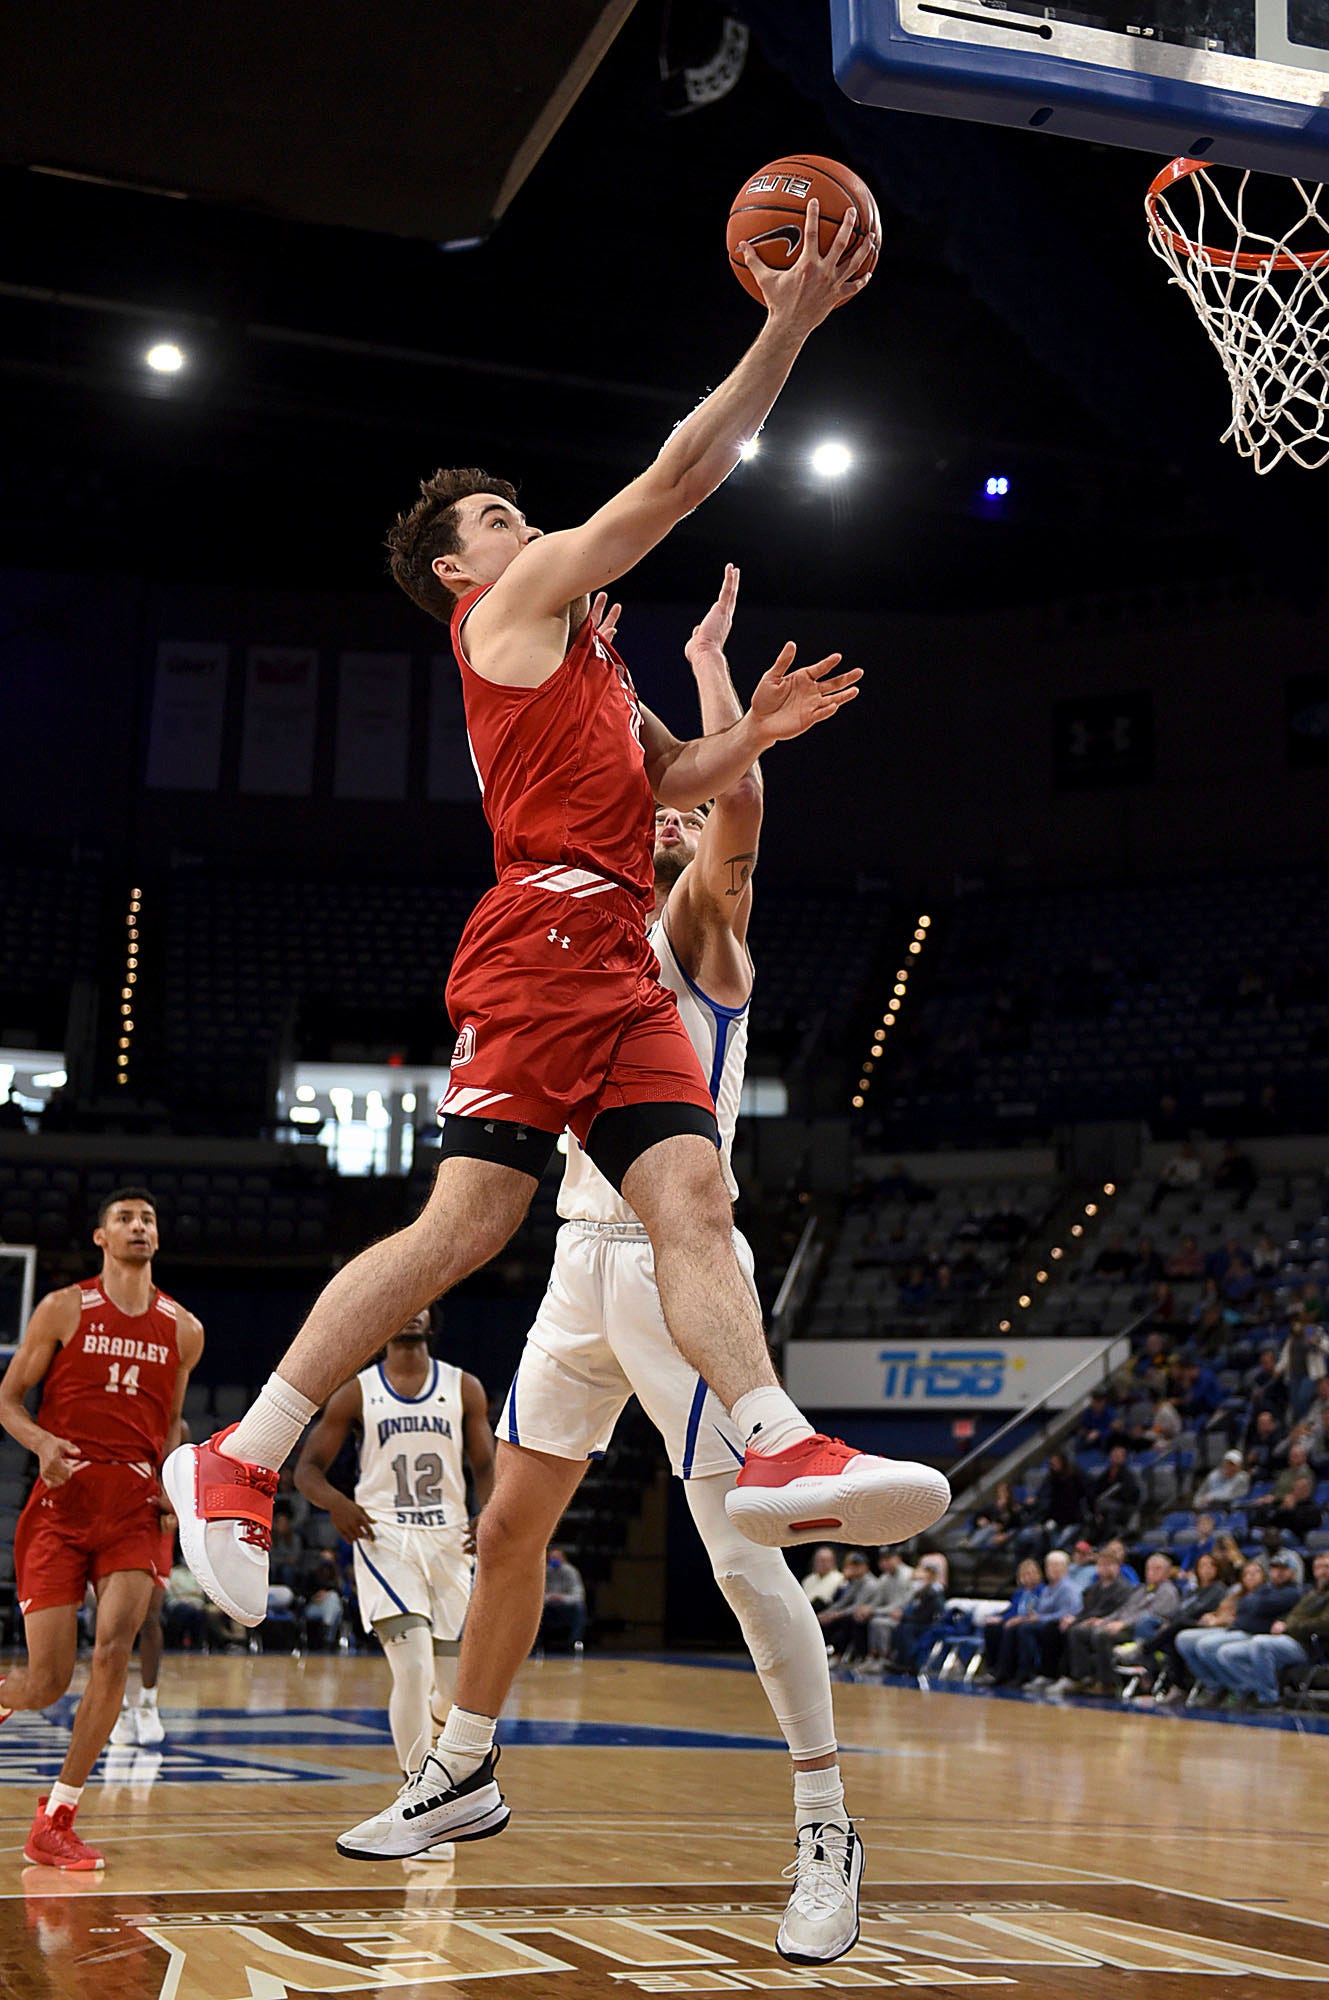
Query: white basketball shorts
x=421 y=1570
x=600 y=1336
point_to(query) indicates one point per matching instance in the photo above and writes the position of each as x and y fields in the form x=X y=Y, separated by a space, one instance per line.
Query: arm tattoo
x=740 y=868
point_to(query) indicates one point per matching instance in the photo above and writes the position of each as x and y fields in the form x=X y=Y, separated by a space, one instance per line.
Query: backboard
x=1243 y=82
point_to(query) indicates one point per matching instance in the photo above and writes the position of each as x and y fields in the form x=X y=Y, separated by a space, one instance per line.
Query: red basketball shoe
x=54 y=1844
x=224 y=1507
x=822 y=1487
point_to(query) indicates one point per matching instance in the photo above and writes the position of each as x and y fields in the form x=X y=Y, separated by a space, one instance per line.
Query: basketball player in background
x=600 y=1335
x=561 y=1018
x=112 y=1356
x=421 y=1422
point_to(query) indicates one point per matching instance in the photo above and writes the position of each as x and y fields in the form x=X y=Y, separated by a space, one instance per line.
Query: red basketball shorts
x=104 y=1519
x=559 y=1009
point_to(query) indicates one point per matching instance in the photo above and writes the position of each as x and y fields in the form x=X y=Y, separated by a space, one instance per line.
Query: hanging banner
x=188 y=716
x=944 y=1375
x=281 y=709
x=373 y=725
x=451 y=772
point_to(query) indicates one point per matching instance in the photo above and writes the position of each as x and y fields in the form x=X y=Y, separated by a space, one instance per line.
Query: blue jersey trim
x=510 y=1413
x=379 y=1576
x=721 y=1012
x=429 y=1389
x=694 y=1425
x=729 y=1445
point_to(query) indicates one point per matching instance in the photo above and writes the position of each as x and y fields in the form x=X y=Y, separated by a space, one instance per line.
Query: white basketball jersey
x=720 y=1037
x=411 y=1468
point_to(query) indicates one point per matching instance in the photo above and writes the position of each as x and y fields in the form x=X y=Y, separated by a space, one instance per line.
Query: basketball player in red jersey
x=561 y=1018
x=113 y=1356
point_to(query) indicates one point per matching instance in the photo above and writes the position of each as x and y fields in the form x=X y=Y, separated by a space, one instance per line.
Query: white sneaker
x=822 y=1487
x=151 y=1731
x=125 y=1734
x=430 y=1809
x=224 y=1508
x=820 y=1922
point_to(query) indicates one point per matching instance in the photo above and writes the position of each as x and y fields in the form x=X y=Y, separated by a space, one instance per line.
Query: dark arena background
x=1032 y=1148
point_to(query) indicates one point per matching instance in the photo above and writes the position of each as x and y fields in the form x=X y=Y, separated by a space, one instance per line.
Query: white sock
x=63 y=1795
x=819 y=1798
x=147 y=1697
x=465 y=1741
x=770 y=1421
x=268 y=1433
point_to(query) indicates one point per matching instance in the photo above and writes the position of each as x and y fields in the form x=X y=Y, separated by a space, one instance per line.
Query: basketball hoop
x=1262 y=296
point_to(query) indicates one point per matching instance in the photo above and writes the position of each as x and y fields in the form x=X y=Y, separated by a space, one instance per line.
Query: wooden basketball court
x=1018 y=1846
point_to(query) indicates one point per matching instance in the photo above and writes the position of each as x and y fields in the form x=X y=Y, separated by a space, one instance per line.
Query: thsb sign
x=942 y=1375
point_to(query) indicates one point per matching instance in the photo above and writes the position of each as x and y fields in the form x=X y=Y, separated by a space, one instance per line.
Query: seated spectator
x=1219 y=1261
x=1185 y=1261
x=1180 y=1175
x=184 y=1609
x=824 y=1578
x=1189 y=1553
x=1084 y=1565
x=323 y=1608
x=1265 y=1446
x=1102 y=1600
x=993 y=1525
x=1114 y=1260
x=1292 y=1516
x=564 y=1615
x=1254 y=1666
x=1091 y=1642
x=1266 y=1257
x=894 y=1587
x=1001 y=1634
x=1240 y=1284
x=1235 y=1174
x=1257 y=1607
x=1060 y=1597
x=1301 y=1363
x=1196 y=1392
x=845 y=1633
x=1114 y=1498
x=925 y=1608
x=1164 y=1424
x=1147 y=1265
x=1226 y=1485
x=1098 y=1421
x=1059 y=1507
x=1160 y=1648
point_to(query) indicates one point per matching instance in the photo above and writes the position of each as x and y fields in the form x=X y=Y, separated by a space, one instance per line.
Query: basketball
x=768 y=211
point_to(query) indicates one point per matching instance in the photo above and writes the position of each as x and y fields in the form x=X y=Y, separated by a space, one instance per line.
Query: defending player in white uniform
x=421 y=1420
x=599 y=1336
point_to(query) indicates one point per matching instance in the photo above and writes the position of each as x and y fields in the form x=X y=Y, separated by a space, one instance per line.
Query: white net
x=1252 y=254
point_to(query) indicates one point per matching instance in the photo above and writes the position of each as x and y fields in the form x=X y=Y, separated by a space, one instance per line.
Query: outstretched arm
x=716 y=889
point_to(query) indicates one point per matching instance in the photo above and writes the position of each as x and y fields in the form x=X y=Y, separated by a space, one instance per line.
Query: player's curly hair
x=429 y=530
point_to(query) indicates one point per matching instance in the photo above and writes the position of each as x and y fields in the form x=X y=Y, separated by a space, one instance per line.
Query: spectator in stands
x=1059 y=1507
x=894 y=1587
x=1226 y=1485
x=1301 y=1363
x=1060 y=1597
x=1114 y=1260
x=287 y=1558
x=1091 y=1643
x=1001 y=1634
x=1266 y=1257
x=1102 y=1600
x=1240 y=1285
x=1165 y=1424
x=1098 y=1421
x=291 y=1500
x=843 y=1631
x=1189 y=1553
x=1259 y=1605
x=824 y=1578
x=1084 y=1565
x=323 y=1610
x=1197 y=1393
x=564 y=1615
x=1147 y=1268
x=1185 y=1263
x=1219 y=1260
x=993 y=1525
x=184 y=1608
x=1253 y=1667
x=1115 y=1497
x=1235 y=1174
x=1211 y=1587
x=916 y=1289
x=1262 y=1452
x=924 y=1609
x=1314 y=1428
x=13 y=1118
x=1292 y=1516
x=1180 y=1175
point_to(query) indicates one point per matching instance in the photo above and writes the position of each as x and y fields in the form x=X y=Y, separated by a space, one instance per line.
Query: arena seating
x=209 y=1210
x=50 y=930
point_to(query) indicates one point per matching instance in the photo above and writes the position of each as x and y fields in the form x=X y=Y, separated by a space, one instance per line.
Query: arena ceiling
x=304 y=181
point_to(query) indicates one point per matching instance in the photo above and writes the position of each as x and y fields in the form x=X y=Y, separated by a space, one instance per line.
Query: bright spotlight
x=997 y=487
x=750 y=447
x=165 y=358
x=831 y=460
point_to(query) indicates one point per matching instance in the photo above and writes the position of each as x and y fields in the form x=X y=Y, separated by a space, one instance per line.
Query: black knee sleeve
x=620 y=1137
x=524 y=1147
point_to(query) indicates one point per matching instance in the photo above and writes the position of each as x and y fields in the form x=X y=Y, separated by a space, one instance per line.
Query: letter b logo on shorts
x=465 y=1048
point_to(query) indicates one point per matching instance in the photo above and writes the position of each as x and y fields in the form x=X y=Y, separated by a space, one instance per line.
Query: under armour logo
x=554 y=938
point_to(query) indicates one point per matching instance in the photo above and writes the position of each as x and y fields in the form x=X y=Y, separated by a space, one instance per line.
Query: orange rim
x=1228 y=260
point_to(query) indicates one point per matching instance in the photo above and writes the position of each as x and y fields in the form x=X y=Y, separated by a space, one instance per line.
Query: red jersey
x=561 y=767
x=109 y=1389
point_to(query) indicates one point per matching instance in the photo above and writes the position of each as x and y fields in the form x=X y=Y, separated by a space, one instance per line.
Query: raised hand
x=605 y=617
x=709 y=635
x=788 y=701
x=813 y=285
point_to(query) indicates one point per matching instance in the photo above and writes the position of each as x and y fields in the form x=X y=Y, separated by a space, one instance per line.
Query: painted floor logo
x=428 y=1936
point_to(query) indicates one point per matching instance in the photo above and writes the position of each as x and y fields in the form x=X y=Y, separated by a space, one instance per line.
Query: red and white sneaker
x=822 y=1487
x=53 y=1842
x=224 y=1507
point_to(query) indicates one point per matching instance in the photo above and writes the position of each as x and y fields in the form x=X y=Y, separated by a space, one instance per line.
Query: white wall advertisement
x=281 y=710
x=373 y=725
x=188 y=712
x=942 y=1376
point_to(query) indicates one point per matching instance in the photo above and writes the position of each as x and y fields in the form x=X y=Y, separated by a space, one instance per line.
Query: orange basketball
x=770 y=208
